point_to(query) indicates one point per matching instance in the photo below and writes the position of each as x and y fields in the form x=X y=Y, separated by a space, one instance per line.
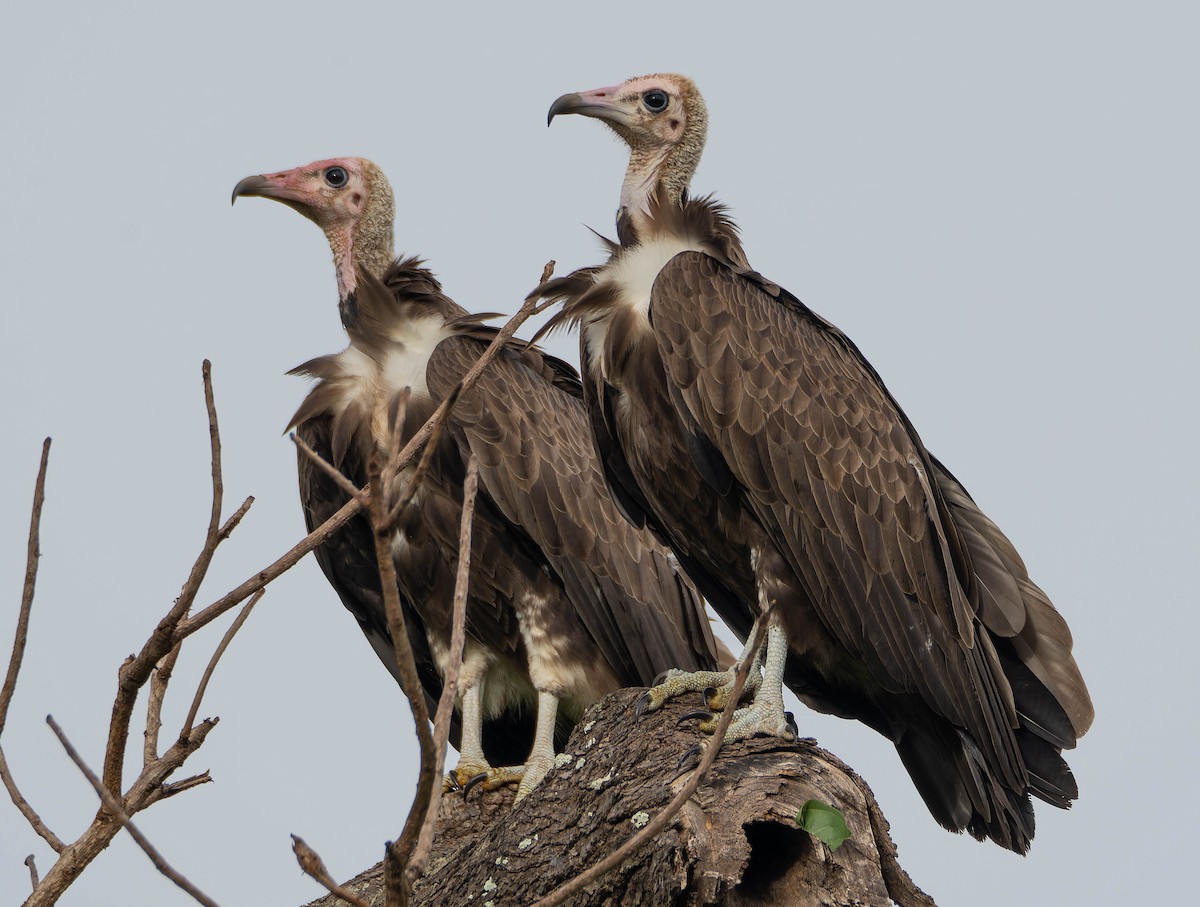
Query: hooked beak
x=287 y=187
x=600 y=103
x=250 y=186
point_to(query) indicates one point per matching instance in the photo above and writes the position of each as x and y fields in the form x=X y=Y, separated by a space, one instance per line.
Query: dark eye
x=655 y=100
x=337 y=177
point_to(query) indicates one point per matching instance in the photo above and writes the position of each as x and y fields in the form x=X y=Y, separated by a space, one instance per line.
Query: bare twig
x=314 y=867
x=395 y=858
x=659 y=822
x=361 y=495
x=151 y=786
x=33 y=875
x=232 y=523
x=262 y=578
x=441 y=723
x=178 y=787
x=31 y=816
x=398 y=417
x=414 y=481
x=33 y=553
x=158 y=691
x=114 y=806
x=212 y=662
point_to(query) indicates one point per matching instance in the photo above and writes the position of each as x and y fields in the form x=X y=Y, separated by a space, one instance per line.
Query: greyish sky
x=999 y=205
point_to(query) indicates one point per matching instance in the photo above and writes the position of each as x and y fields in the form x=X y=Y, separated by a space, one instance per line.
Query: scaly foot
x=716 y=686
x=469 y=774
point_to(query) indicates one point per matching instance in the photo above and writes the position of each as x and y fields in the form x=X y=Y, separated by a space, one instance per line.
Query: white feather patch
x=635 y=271
x=634 y=274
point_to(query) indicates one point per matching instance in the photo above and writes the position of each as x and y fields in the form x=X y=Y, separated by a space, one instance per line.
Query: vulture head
x=663 y=120
x=349 y=198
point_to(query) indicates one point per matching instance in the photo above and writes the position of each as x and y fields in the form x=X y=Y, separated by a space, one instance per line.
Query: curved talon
x=661 y=678
x=688 y=761
x=640 y=706
x=791 y=724
x=473 y=782
x=716 y=698
x=450 y=783
x=703 y=714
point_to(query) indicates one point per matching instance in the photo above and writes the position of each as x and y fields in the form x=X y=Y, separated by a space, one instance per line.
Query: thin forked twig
x=212 y=662
x=158 y=692
x=33 y=554
x=135 y=672
x=445 y=708
x=178 y=787
x=319 y=535
x=314 y=867
x=414 y=481
x=114 y=806
x=659 y=822
x=399 y=416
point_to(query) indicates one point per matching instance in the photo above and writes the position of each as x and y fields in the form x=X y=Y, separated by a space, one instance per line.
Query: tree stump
x=736 y=842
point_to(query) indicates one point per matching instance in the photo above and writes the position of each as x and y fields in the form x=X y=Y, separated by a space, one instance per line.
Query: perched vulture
x=753 y=436
x=568 y=601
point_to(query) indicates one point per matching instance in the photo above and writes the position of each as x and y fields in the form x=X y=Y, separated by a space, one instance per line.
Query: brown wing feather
x=538 y=466
x=840 y=481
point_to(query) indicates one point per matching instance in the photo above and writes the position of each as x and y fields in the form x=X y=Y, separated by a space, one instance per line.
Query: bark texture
x=734 y=843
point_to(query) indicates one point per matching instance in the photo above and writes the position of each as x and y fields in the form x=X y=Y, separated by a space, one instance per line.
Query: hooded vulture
x=568 y=601
x=753 y=436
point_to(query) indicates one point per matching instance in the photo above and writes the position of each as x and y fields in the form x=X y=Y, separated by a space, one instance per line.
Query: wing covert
x=539 y=468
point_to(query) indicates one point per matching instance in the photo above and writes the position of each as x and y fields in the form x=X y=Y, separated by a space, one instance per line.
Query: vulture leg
x=472 y=763
x=473 y=767
x=766 y=714
x=541 y=757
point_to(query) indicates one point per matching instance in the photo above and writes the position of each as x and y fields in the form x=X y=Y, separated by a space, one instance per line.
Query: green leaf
x=823 y=821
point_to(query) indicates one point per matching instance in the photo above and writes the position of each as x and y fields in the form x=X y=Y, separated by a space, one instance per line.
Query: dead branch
x=361 y=495
x=659 y=822
x=216 y=656
x=135 y=672
x=735 y=842
x=314 y=867
x=30 y=814
x=33 y=875
x=235 y=518
x=153 y=665
x=159 y=681
x=33 y=554
x=114 y=807
x=431 y=787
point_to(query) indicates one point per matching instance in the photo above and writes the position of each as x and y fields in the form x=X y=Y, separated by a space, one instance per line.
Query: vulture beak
x=288 y=187
x=252 y=185
x=600 y=103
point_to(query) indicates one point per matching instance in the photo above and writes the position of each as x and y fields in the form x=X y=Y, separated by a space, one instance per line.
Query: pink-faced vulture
x=568 y=601
x=753 y=436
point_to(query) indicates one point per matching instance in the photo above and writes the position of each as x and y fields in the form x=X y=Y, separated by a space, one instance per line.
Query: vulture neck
x=658 y=178
x=369 y=245
x=647 y=176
